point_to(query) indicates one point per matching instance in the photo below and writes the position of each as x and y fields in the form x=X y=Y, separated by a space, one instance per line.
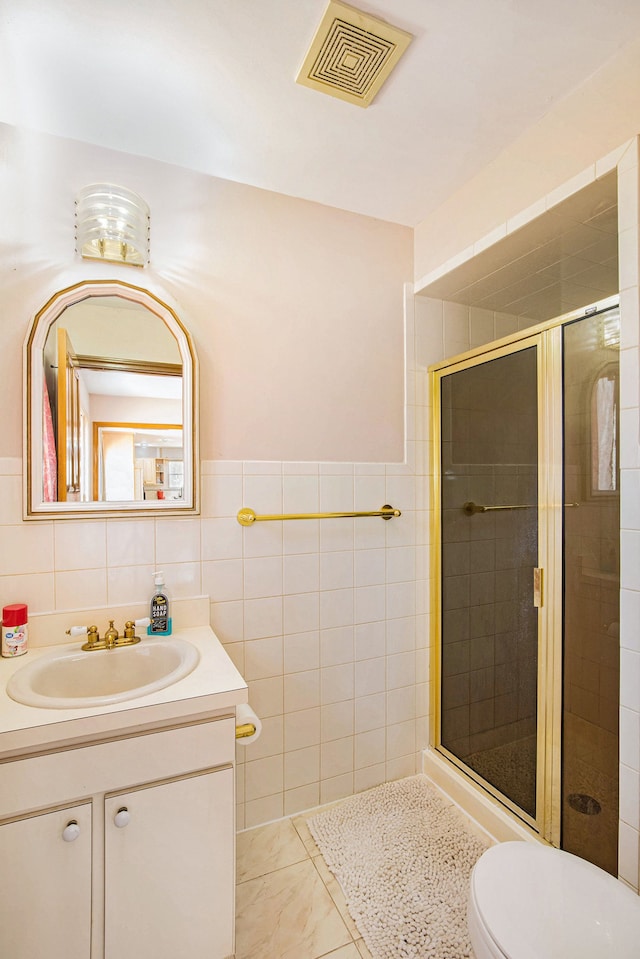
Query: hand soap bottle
x=159 y=613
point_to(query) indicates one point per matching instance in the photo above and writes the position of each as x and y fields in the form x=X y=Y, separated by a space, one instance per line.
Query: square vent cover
x=352 y=54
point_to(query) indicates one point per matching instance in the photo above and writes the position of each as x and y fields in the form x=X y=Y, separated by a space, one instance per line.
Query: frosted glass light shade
x=112 y=223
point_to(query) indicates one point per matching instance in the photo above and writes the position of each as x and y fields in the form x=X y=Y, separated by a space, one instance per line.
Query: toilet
x=529 y=901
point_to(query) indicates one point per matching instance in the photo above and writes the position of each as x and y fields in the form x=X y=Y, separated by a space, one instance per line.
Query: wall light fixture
x=112 y=223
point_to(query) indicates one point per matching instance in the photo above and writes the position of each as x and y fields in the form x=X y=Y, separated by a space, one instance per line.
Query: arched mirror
x=110 y=405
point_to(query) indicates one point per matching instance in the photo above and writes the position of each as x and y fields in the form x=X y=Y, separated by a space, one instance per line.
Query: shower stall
x=526 y=550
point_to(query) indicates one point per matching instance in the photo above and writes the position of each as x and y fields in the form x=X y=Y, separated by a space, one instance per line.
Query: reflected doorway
x=137 y=461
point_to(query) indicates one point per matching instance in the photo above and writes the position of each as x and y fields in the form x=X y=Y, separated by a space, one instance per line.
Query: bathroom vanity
x=117 y=822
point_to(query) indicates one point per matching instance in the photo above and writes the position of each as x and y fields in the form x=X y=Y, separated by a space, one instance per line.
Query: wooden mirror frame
x=34 y=506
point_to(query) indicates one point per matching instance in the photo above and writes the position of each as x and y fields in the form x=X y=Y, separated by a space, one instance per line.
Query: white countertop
x=214 y=687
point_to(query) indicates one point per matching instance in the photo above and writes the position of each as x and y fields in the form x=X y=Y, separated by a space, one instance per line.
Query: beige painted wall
x=580 y=130
x=130 y=409
x=296 y=308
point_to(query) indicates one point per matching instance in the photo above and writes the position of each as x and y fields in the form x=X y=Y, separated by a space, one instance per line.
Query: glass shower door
x=527 y=483
x=591 y=581
x=489 y=550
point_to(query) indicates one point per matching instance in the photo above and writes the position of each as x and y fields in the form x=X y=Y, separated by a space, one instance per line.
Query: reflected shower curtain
x=49 y=458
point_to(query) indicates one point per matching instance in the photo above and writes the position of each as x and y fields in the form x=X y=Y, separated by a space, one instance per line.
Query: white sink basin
x=67 y=677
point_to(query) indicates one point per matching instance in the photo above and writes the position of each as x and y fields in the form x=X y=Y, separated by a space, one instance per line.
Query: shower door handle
x=537 y=586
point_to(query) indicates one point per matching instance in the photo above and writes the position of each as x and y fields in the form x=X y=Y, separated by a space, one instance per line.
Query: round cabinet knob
x=122 y=817
x=71 y=831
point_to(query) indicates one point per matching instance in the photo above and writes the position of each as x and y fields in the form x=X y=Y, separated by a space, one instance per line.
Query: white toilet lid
x=542 y=903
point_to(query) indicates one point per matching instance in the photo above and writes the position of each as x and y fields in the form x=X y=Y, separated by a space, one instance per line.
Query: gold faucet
x=111 y=638
x=128 y=638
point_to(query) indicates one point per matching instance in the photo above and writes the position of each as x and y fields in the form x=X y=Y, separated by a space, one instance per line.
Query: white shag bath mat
x=403 y=858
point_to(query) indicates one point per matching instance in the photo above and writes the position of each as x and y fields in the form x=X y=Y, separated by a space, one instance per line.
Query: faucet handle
x=130 y=628
x=132 y=624
x=93 y=637
x=91 y=632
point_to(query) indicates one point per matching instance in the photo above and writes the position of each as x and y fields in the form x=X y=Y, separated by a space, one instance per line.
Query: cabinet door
x=45 y=900
x=170 y=871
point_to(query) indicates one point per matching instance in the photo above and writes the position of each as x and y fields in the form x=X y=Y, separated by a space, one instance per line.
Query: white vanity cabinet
x=147 y=869
x=169 y=856
x=45 y=893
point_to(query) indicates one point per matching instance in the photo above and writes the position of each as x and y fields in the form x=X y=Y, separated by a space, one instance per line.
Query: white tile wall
x=629 y=225
x=318 y=618
x=318 y=625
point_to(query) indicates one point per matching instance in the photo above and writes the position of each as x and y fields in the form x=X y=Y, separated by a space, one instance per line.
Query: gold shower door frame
x=547 y=340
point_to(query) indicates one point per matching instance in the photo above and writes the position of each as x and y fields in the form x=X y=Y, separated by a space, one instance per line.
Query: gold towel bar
x=246 y=729
x=471 y=508
x=246 y=516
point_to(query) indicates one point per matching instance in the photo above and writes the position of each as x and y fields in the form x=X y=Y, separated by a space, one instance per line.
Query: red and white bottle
x=14 y=630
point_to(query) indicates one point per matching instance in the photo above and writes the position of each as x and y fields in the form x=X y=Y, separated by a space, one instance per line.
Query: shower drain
x=587 y=805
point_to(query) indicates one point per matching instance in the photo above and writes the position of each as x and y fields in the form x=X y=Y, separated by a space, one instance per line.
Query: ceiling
x=565 y=259
x=210 y=85
x=136 y=385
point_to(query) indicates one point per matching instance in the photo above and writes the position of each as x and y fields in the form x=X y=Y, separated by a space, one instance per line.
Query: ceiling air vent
x=352 y=54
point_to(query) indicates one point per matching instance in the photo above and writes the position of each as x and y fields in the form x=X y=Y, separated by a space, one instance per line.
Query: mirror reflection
x=113 y=380
x=604 y=432
x=137 y=461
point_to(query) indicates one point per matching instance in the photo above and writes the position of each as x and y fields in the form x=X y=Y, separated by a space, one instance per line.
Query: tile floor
x=288 y=904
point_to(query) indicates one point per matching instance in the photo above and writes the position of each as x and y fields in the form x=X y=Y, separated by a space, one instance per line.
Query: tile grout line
x=272 y=872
